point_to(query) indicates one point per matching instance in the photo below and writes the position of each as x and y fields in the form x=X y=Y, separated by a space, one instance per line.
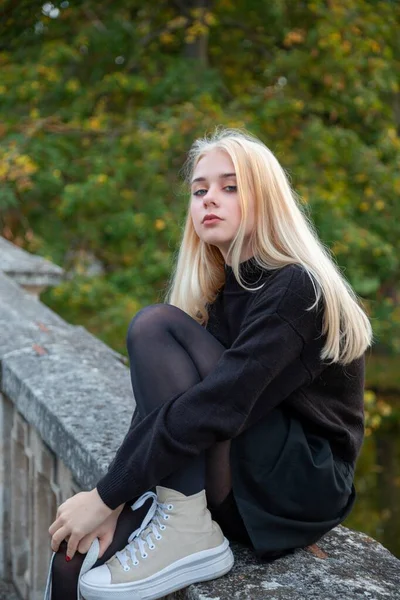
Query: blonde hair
x=282 y=235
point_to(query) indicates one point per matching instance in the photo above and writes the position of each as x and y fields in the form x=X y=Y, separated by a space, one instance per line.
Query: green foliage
x=99 y=102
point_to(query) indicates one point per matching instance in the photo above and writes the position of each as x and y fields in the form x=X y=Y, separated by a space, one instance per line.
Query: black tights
x=169 y=352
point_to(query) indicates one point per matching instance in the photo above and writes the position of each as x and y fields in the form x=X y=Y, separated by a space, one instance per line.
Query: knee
x=149 y=321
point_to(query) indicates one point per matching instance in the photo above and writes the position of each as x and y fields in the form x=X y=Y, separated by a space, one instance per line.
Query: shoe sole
x=201 y=566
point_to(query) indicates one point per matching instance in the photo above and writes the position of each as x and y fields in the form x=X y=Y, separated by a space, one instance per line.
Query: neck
x=244 y=257
x=251 y=273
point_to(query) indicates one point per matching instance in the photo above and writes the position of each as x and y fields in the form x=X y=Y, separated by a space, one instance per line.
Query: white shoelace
x=151 y=525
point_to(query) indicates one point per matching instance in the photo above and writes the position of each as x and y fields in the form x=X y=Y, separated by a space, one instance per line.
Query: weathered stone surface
x=355 y=566
x=7 y=591
x=27 y=269
x=65 y=382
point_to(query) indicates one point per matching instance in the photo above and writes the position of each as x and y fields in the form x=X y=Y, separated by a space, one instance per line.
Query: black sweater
x=273 y=356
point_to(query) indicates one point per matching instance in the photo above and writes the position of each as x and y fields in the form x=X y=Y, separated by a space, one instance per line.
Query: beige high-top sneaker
x=177 y=544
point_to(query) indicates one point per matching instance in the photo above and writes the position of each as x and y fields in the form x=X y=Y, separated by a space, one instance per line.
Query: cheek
x=251 y=219
x=236 y=212
x=194 y=216
x=250 y=223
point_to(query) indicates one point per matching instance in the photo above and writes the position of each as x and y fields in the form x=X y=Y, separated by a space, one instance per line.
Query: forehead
x=213 y=163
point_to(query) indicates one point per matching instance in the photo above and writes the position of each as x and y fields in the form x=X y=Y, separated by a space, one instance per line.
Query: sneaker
x=176 y=545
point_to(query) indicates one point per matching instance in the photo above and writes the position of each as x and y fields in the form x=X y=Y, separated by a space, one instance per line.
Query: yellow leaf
x=294 y=37
x=94 y=123
x=210 y=19
x=166 y=38
x=72 y=85
x=369 y=397
x=159 y=224
x=127 y=194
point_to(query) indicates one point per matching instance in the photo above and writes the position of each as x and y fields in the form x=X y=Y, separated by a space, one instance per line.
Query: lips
x=210 y=217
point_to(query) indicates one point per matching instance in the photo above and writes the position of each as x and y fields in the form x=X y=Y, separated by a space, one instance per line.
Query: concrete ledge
x=71 y=387
x=345 y=565
x=27 y=269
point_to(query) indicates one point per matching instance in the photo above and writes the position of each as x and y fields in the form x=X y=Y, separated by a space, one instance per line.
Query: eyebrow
x=222 y=176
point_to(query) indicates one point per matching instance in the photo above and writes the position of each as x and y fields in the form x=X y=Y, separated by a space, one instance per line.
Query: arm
x=219 y=407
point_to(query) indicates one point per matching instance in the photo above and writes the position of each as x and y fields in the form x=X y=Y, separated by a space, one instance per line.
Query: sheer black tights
x=169 y=352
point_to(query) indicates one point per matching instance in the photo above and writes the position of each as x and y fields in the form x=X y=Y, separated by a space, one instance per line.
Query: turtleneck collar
x=252 y=275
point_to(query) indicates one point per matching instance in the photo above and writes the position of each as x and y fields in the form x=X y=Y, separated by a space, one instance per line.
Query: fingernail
x=67 y=558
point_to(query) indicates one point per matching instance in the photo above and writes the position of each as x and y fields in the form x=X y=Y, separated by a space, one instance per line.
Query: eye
x=231 y=188
x=199 y=192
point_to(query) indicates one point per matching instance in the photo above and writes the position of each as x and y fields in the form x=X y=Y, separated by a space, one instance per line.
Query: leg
x=218 y=473
x=220 y=498
x=170 y=352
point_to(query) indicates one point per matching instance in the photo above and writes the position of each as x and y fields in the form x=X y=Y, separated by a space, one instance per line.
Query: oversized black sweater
x=273 y=356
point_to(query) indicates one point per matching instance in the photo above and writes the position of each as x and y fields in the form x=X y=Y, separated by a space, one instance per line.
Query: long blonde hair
x=282 y=235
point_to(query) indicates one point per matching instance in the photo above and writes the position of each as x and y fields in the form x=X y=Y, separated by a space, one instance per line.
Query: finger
x=105 y=541
x=55 y=525
x=85 y=543
x=58 y=537
x=73 y=542
x=59 y=511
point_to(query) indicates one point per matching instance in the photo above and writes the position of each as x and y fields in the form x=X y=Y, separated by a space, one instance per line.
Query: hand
x=105 y=533
x=77 y=517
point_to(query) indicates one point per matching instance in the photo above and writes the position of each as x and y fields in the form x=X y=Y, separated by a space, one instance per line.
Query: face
x=214 y=191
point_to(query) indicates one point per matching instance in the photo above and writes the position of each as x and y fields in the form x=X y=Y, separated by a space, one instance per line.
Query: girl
x=249 y=390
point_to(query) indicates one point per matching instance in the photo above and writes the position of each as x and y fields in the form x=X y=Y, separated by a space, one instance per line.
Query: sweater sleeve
x=218 y=407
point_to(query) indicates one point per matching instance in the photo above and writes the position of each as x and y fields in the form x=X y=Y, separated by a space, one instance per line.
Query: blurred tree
x=99 y=102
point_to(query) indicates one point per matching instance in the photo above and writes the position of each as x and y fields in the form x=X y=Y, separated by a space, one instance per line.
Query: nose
x=209 y=198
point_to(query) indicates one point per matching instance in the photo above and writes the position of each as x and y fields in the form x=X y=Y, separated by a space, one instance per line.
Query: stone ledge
x=27 y=269
x=60 y=378
x=345 y=565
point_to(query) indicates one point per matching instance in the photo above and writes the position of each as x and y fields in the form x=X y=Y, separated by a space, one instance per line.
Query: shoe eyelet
x=170 y=506
x=127 y=568
x=145 y=555
x=152 y=547
x=163 y=527
x=166 y=517
x=136 y=563
x=158 y=537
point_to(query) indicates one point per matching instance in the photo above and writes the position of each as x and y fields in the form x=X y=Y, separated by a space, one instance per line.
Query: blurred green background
x=100 y=101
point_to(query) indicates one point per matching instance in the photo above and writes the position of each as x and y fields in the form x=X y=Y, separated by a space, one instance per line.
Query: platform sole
x=201 y=566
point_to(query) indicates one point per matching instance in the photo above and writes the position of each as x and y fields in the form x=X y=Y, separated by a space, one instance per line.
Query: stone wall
x=65 y=405
x=55 y=381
